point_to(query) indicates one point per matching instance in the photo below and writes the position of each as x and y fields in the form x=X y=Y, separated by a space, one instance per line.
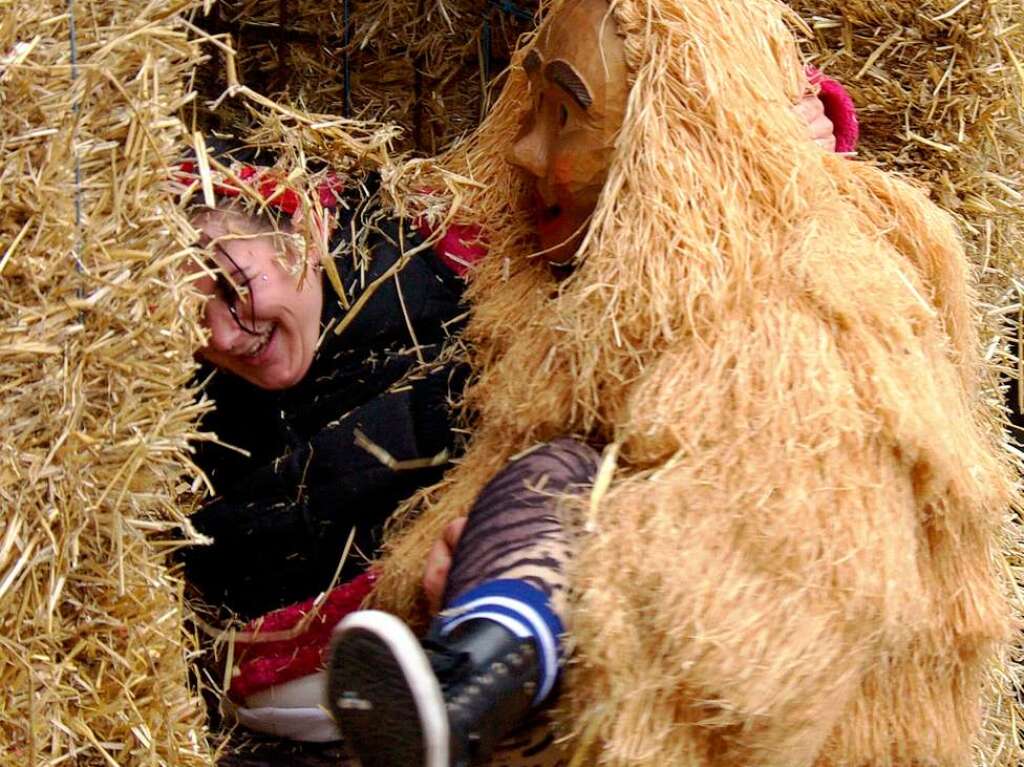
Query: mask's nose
x=531 y=151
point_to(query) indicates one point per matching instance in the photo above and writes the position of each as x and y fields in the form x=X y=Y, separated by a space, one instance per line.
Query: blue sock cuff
x=524 y=610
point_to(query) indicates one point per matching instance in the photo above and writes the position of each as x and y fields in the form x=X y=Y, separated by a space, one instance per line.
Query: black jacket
x=283 y=513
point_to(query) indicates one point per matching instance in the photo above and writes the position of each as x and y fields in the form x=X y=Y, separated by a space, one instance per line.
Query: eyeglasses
x=234 y=291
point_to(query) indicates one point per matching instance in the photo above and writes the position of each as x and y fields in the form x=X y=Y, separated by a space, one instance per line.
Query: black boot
x=445 y=702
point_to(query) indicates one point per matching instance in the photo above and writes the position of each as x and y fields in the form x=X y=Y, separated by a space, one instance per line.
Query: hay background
x=938 y=88
x=419 y=64
x=93 y=370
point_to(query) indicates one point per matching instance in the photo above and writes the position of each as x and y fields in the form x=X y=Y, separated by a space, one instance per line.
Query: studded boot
x=442 y=702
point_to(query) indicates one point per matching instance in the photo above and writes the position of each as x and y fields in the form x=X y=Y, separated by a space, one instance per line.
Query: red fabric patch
x=287 y=200
x=266 y=664
x=330 y=189
x=459 y=248
x=267 y=186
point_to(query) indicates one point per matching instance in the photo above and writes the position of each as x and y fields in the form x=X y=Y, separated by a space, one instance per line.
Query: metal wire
x=346 y=40
x=511 y=9
x=76 y=250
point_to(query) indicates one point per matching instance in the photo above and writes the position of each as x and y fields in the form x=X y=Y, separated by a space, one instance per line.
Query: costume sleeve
x=278 y=535
x=261 y=664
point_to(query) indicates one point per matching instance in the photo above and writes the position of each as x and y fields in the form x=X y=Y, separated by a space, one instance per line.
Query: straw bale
x=97 y=332
x=804 y=554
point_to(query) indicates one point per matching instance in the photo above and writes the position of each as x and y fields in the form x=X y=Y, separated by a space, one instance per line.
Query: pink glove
x=839 y=108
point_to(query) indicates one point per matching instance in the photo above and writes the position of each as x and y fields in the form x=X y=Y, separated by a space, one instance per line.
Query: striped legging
x=520 y=526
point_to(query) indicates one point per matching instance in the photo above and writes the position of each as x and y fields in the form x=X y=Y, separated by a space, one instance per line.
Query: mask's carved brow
x=532 y=62
x=564 y=76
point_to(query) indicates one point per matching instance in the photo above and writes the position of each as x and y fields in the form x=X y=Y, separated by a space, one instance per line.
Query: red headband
x=267 y=186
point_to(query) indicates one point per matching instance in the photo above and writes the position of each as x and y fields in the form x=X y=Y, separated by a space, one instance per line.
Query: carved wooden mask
x=578 y=90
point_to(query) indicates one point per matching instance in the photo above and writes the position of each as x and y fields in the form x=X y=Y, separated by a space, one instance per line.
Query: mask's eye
x=563 y=115
x=532 y=63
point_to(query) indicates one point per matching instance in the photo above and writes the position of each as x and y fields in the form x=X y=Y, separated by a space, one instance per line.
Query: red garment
x=268 y=185
x=266 y=664
x=459 y=248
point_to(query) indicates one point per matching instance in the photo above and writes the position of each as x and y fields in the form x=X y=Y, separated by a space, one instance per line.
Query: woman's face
x=263 y=314
x=579 y=88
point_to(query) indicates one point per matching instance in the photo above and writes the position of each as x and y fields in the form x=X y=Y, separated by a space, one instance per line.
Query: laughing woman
x=304 y=401
x=320 y=433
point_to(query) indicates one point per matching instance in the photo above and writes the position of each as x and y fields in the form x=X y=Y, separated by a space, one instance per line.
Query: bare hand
x=811 y=110
x=439 y=562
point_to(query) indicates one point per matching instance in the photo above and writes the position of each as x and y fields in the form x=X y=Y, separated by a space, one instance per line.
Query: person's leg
x=516 y=529
x=493 y=653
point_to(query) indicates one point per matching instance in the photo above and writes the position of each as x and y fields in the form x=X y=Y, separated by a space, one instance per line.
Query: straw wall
x=96 y=338
x=938 y=85
x=418 y=63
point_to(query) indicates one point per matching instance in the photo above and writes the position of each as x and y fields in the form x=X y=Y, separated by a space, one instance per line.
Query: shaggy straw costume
x=795 y=561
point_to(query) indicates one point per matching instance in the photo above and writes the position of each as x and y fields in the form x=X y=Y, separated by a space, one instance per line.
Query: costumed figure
x=789 y=553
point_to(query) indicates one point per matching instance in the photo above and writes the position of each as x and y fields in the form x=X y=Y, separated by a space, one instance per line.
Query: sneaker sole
x=384 y=695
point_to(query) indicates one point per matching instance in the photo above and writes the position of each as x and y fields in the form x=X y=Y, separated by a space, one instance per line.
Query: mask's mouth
x=550 y=213
x=547 y=207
